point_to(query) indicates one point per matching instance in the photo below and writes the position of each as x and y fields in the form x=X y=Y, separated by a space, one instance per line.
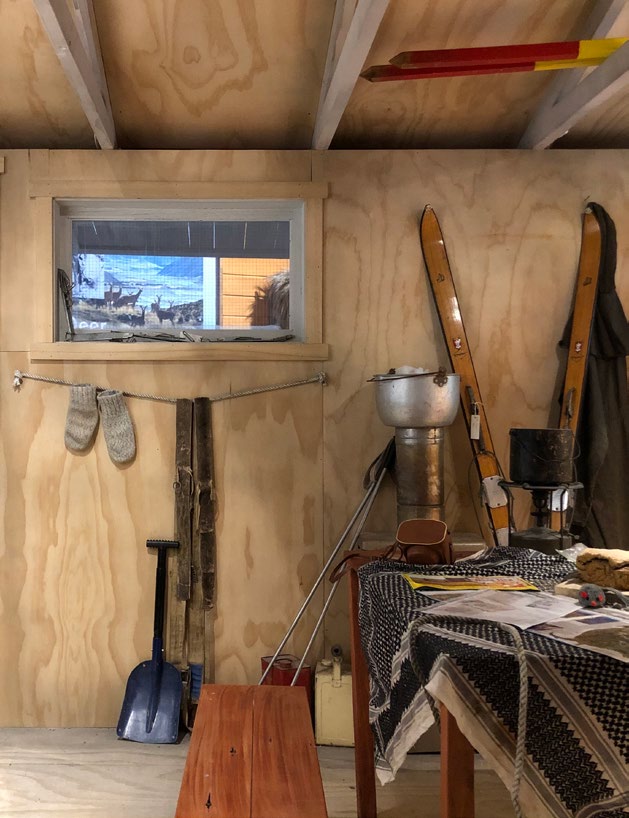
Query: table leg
x=363 y=737
x=457 y=769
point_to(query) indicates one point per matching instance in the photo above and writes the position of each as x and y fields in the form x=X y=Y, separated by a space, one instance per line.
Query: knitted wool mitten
x=82 y=417
x=117 y=426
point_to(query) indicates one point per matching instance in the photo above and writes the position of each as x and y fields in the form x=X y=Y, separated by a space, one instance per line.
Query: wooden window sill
x=178 y=352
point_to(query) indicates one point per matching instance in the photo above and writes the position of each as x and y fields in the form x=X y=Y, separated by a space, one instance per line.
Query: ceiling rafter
x=559 y=108
x=76 y=44
x=354 y=29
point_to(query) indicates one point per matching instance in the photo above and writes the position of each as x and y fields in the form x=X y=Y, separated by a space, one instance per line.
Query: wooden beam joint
x=74 y=40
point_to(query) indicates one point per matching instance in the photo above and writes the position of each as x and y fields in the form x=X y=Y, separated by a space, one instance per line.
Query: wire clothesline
x=319 y=377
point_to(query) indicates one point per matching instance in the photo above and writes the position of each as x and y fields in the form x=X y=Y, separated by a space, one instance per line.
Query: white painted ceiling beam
x=609 y=79
x=345 y=62
x=597 y=26
x=79 y=54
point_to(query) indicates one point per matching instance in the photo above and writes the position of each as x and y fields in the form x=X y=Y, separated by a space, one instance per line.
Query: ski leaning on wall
x=585 y=296
x=446 y=300
x=585 y=292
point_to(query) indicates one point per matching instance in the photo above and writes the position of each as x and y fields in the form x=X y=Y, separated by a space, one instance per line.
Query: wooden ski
x=585 y=292
x=586 y=289
x=446 y=300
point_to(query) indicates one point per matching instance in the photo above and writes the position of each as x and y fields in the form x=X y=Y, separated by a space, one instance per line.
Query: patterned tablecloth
x=577 y=730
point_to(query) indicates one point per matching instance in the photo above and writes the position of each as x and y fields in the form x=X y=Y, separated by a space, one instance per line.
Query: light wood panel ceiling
x=248 y=74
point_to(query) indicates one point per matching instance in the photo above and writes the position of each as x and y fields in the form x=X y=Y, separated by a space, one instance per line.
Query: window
x=184 y=270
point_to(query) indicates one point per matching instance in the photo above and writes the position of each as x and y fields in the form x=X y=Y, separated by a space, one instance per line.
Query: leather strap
x=418 y=542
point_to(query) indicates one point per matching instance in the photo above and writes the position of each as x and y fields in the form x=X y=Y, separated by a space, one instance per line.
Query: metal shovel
x=150 y=710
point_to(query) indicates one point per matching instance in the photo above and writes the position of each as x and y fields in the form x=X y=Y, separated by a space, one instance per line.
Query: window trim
x=44 y=192
x=65 y=211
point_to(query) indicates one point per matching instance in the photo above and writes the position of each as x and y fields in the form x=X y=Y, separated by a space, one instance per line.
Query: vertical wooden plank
x=313 y=272
x=204 y=497
x=44 y=266
x=183 y=494
x=286 y=779
x=217 y=776
x=179 y=563
x=457 y=769
x=363 y=738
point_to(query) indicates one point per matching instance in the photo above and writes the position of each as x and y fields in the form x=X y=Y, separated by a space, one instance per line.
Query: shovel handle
x=160 y=583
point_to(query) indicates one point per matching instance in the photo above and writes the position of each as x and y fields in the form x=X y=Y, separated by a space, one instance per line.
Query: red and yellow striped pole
x=503 y=59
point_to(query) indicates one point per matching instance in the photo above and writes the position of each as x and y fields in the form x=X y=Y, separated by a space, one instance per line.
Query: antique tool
x=150 y=710
x=447 y=302
x=180 y=568
x=585 y=297
x=419 y=406
x=586 y=289
x=200 y=606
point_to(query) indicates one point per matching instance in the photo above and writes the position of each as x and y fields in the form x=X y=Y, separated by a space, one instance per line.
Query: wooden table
x=457 y=754
x=576 y=741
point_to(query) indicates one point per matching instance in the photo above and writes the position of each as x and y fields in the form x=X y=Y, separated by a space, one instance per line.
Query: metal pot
x=541 y=457
x=426 y=400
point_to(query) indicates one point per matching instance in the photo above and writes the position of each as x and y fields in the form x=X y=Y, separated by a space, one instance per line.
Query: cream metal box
x=334 y=722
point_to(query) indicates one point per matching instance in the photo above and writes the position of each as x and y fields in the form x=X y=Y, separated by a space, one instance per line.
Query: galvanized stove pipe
x=419 y=467
x=419 y=406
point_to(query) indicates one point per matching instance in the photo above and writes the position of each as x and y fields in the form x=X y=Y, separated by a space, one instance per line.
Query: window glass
x=184 y=277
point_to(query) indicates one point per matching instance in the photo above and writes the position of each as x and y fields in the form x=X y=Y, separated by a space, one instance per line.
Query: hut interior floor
x=88 y=773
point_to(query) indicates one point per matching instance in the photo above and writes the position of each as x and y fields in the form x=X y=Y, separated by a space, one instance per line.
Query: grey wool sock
x=117 y=426
x=82 y=417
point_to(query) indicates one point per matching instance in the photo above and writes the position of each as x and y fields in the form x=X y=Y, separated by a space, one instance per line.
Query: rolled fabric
x=606 y=567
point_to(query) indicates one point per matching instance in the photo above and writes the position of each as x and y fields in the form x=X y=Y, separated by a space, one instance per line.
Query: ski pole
x=335 y=585
x=380 y=465
x=319 y=580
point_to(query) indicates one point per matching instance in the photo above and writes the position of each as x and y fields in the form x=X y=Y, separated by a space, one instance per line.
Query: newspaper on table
x=605 y=630
x=513 y=608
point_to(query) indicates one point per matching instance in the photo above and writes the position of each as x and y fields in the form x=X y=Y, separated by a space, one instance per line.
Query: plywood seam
x=168 y=190
x=158 y=351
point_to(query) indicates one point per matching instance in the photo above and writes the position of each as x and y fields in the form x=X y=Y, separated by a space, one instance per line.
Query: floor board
x=60 y=773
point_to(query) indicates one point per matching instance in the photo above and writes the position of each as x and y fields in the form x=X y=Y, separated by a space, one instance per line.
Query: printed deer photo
x=163 y=315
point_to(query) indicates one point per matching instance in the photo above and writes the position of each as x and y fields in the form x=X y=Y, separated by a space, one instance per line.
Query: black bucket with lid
x=541 y=457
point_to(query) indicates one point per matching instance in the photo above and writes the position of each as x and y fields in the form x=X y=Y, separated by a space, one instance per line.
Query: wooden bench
x=252 y=755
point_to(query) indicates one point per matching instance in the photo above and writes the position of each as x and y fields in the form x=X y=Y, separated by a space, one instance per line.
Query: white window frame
x=65 y=210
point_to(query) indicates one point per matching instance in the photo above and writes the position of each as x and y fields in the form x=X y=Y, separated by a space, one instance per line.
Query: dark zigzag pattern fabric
x=599 y=683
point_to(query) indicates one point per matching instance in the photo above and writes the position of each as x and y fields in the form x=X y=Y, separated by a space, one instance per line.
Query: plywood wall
x=512 y=224
x=76 y=583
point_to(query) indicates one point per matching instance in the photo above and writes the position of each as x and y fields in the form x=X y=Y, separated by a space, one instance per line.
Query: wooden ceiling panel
x=193 y=74
x=247 y=74
x=38 y=108
x=467 y=112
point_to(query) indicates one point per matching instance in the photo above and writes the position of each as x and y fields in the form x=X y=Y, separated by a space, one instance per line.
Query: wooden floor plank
x=88 y=773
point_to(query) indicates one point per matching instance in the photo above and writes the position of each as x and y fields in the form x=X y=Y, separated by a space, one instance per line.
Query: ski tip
x=425 y=212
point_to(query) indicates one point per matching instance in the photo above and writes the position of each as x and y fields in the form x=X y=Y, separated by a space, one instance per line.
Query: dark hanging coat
x=601 y=515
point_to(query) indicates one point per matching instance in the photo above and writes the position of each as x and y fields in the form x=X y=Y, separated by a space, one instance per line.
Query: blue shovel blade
x=143 y=699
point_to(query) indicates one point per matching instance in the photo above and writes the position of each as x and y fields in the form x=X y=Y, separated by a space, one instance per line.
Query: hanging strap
x=180 y=566
x=204 y=498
